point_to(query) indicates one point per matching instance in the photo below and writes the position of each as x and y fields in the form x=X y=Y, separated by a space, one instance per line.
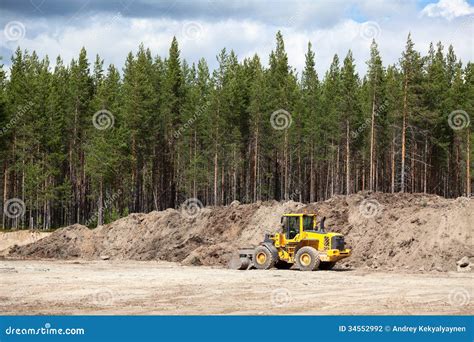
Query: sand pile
x=18 y=238
x=386 y=231
x=404 y=231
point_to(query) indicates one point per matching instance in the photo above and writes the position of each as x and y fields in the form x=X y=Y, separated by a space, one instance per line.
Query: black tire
x=263 y=259
x=325 y=265
x=307 y=259
x=283 y=265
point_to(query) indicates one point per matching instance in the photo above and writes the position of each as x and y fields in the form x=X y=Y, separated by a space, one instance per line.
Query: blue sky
x=113 y=28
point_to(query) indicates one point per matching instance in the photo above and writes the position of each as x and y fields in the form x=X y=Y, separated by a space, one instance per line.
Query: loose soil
x=389 y=232
x=18 y=238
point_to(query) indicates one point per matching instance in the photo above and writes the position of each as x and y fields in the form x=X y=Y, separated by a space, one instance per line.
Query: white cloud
x=112 y=36
x=448 y=9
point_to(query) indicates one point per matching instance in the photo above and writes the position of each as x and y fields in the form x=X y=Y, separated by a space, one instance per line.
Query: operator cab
x=291 y=224
x=310 y=224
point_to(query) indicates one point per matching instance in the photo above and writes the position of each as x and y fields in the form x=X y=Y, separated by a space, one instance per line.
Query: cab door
x=292 y=228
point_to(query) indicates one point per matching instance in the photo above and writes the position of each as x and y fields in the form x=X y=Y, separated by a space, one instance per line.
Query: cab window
x=292 y=226
x=308 y=223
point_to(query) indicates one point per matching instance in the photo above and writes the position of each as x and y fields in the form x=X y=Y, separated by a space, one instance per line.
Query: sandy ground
x=134 y=287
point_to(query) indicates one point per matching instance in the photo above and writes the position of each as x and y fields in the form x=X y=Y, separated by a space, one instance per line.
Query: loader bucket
x=243 y=261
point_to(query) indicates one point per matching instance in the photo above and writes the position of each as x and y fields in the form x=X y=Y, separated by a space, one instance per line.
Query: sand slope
x=386 y=231
x=19 y=238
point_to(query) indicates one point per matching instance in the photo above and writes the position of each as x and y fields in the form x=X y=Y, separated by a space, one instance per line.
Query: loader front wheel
x=263 y=258
x=307 y=259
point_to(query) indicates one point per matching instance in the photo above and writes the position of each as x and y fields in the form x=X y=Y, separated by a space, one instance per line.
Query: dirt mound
x=403 y=231
x=386 y=231
x=70 y=242
x=18 y=238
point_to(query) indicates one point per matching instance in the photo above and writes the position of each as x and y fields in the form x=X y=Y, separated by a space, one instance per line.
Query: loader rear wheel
x=307 y=259
x=325 y=265
x=263 y=258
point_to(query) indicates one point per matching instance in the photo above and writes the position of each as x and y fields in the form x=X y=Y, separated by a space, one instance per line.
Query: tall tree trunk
x=425 y=170
x=222 y=186
x=372 y=143
x=405 y=113
x=5 y=192
x=392 y=163
x=100 y=204
x=311 y=175
x=376 y=176
x=255 y=165
x=412 y=171
x=234 y=176
x=194 y=165
x=336 y=165
x=468 y=162
x=300 y=183
x=363 y=174
x=215 y=177
x=286 y=194
x=348 y=170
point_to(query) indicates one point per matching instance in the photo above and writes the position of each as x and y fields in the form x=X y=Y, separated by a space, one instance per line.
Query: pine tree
x=469 y=133
x=172 y=118
x=350 y=111
x=174 y=130
x=103 y=145
x=331 y=106
x=138 y=108
x=411 y=64
x=78 y=120
x=281 y=103
x=311 y=110
x=257 y=110
x=375 y=75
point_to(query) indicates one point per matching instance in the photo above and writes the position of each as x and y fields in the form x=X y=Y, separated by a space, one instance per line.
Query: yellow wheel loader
x=301 y=242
